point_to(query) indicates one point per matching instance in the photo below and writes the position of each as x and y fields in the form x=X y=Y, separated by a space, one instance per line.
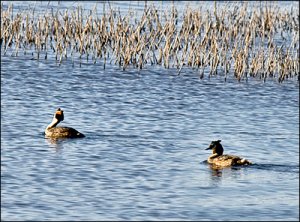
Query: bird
x=224 y=160
x=52 y=131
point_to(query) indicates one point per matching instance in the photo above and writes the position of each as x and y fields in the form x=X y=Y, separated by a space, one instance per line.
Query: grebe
x=60 y=132
x=218 y=159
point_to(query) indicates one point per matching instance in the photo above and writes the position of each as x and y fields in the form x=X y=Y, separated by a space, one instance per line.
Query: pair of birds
x=217 y=158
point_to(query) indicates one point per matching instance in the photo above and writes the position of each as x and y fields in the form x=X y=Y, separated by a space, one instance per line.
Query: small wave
x=277 y=167
x=95 y=136
x=271 y=167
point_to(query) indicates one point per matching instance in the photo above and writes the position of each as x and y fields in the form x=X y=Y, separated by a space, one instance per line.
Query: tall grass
x=228 y=41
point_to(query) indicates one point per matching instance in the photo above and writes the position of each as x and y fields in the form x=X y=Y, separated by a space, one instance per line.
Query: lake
x=143 y=157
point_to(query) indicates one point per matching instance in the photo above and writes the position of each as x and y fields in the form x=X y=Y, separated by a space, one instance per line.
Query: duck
x=52 y=131
x=219 y=159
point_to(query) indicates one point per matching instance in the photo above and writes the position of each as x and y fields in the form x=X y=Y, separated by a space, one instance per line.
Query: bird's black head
x=59 y=114
x=216 y=147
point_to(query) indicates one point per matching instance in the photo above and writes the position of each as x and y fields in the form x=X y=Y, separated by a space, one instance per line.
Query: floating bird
x=60 y=132
x=224 y=160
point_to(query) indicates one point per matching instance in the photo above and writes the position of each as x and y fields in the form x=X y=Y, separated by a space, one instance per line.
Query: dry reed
x=262 y=42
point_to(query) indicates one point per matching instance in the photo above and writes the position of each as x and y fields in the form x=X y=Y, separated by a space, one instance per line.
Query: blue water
x=143 y=157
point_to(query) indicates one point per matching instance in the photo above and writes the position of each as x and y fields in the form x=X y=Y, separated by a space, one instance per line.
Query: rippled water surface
x=143 y=157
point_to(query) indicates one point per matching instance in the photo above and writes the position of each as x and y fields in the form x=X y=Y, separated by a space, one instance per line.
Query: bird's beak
x=208 y=148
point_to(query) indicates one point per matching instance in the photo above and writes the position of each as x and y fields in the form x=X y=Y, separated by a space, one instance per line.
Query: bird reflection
x=219 y=172
x=56 y=143
x=215 y=171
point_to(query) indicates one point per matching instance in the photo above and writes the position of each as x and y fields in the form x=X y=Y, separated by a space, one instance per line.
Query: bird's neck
x=214 y=155
x=53 y=123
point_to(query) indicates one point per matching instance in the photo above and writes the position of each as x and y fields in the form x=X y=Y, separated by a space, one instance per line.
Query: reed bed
x=261 y=42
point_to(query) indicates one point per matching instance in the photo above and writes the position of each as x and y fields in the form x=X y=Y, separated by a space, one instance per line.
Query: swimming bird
x=224 y=160
x=60 y=132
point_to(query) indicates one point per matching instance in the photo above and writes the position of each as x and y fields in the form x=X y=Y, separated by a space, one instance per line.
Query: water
x=143 y=157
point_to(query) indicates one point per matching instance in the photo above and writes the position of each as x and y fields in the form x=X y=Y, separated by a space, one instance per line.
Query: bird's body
x=63 y=132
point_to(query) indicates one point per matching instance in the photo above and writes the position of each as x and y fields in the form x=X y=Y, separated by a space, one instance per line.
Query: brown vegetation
x=261 y=42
